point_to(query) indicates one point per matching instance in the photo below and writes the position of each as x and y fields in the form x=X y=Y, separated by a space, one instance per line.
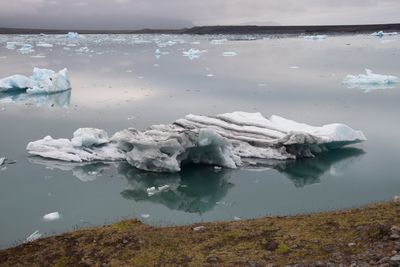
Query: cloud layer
x=129 y=14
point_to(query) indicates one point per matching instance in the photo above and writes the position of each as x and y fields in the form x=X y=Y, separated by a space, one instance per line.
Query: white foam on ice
x=41 y=81
x=227 y=140
x=371 y=81
x=52 y=216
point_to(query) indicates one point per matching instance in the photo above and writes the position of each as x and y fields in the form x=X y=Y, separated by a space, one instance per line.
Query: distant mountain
x=102 y=22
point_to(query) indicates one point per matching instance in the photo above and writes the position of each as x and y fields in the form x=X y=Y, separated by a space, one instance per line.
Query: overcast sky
x=133 y=14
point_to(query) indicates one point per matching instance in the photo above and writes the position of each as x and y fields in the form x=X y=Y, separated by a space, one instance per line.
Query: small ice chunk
x=199 y=228
x=2 y=160
x=218 y=41
x=52 y=216
x=229 y=54
x=163 y=188
x=293 y=67
x=210 y=75
x=151 y=191
x=371 y=81
x=316 y=37
x=44 y=45
x=26 y=48
x=236 y=218
x=145 y=216
x=34 y=236
x=382 y=34
x=193 y=53
x=11 y=45
x=72 y=35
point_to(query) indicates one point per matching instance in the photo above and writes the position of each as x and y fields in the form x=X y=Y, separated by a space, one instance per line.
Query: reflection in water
x=197 y=189
x=58 y=99
x=306 y=171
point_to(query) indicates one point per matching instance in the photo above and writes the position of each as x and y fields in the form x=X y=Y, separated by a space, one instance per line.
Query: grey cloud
x=129 y=14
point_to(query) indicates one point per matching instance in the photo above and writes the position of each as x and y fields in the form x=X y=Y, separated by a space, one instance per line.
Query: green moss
x=282 y=249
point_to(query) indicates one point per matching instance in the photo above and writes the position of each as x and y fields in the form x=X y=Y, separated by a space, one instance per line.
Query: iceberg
x=370 y=81
x=72 y=35
x=193 y=53
x=316 y=37
x=41 y=81
x=52 y=216
x=228 y=140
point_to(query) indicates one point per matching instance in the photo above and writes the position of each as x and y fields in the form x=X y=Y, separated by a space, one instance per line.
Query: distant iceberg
x=193 y=53
x=228 y=140
x=370 y=81
x=316 y=37
x=382 y=34
x=41 y=81
x=72 y=35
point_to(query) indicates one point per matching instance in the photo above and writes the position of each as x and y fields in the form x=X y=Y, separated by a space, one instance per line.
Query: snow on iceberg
x=370 y=81
x=41 y=81
x=228 y=140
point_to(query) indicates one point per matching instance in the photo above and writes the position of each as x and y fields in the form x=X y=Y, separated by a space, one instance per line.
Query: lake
x=121 y=81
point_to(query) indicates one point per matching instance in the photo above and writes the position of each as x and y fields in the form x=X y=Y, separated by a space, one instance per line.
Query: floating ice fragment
x=210 y=75
x=2 y=160
x=316 y=37
x=41 y=81
x=72 y=35
x=293 y=67
x=163 y=188
x=229 y=54
x=227 y=140
x=370 y=81
x=52 y=216
x=44 y=45
x=218 y=41
x=151 y=191
x=34 y=236
x=193 y=53
x=199 y=228
x=11 y=45
x=38 y=56
x=382 y=34
x=236 y=218
x=26 y=48
x=145 y=216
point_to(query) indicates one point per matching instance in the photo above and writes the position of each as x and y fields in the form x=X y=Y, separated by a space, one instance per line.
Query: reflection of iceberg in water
x=60 y=99
x=197 y=189
x=194 y=189
x=83 y=171
x=307 y=171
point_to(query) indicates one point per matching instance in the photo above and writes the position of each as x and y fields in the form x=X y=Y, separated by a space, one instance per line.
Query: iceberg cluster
x=228 y=140
x=41 y=81
x=370 y=81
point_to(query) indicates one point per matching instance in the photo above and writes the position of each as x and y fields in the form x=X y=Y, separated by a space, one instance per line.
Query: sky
x=138 y=14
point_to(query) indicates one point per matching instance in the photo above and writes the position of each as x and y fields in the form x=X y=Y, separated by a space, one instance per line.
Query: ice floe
x=41 y=81
x=228 y=140
x=52 y=216
x=316 y=37
x=370 y=81
x=193 y=53
x=229 y=54
x=26 y=49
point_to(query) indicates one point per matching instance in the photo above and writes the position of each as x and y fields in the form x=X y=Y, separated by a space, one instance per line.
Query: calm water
x=119 y=82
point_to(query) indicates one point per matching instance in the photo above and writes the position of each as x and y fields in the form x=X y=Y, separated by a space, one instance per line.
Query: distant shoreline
x=249 y=29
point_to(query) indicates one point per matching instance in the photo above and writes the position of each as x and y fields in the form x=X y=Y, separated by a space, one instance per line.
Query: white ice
x=41 y=81
x=228 y=140
x=382 y=34
x=2 y=160
x=229 y=54
x=34 y=236
x=44 y=45
x=26 y=48
x=316 y=37
x=72 y=35
x=193 y=53
x=371 y=81
x=52 y=216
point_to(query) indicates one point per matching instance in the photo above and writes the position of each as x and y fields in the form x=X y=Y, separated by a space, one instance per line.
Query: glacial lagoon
x=121 y=81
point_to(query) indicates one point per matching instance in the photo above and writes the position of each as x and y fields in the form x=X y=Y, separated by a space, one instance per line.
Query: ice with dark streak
x=228 y=140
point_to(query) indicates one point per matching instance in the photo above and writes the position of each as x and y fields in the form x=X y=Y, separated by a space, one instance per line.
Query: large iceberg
x=41 y=81
x=228 y=140
x=370 y=81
